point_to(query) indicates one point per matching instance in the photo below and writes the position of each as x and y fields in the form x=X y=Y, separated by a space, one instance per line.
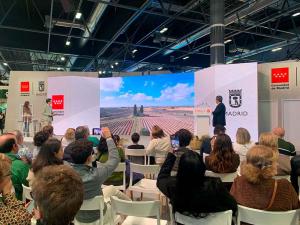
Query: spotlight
x=78 y=15
x=163 y=30
x=184 y=58
x=134 y=51
x=276 y=49
x=68 y=43
x=62 y=58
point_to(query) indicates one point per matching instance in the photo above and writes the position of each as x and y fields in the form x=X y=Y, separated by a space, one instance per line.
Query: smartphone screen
x=96 y=131
x=174 y=142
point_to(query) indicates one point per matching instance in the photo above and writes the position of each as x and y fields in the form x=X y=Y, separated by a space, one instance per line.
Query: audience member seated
x=206 y=143
x=295 y=172
x=135 y=137
x=51 y=153
x=38 y=140
x=284 y=162
x=243 y=143
x=93 y=178
x=48 y=130
x=24 y=153
x=184 y=136
x=284 y=147
x=256 y=187
x=190 y=192
x=117 y=177
x=159 y=145
x=12 y=211
x=19 y=169
x=58 y=195
x=68 y=138
x=196 y=143
x=222 y=159
x=83 y=132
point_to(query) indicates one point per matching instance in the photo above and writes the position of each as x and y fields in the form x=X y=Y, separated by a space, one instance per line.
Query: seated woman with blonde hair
x=256 y=187
x=243 y=143
x=284 y=163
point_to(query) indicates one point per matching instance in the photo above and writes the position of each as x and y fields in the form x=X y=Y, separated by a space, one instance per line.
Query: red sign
x=24 y=86
x=58 y=102
x=280 y=75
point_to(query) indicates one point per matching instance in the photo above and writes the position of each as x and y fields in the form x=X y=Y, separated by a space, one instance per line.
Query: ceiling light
x=160 y=68
x=116 y=63
x=62 y=58
x=111 y=66
x=184 y=58
x=227 y=41
x=68 y=43
x=134 y=51
x=163 y=30
x=276 y=49
x=104 y=72
x=100 y=72
x=78 y=15
x=5 y=64
x=296 y=14
x=58 y=68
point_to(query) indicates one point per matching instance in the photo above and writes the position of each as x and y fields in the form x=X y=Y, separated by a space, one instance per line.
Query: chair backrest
x=96 y=203
x=26 y=193
x=136 y=208
x=261 y=217
x=225 y=177
x=151 y=170
x=282 y=177
x=137 y=152
x=218 y=218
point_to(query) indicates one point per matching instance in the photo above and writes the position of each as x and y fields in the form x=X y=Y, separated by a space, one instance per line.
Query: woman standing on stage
x=27 y=116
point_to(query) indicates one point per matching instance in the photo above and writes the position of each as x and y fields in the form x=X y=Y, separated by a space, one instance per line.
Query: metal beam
x=121 y=30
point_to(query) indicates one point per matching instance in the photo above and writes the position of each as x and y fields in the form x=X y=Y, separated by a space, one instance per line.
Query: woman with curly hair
x=256 y=187
x=222 y=159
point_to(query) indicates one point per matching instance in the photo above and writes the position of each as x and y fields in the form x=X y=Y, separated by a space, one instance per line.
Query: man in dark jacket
x=219 y=112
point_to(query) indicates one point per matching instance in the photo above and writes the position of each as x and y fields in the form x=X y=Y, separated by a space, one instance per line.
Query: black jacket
x=211 y=197
x=219 y=115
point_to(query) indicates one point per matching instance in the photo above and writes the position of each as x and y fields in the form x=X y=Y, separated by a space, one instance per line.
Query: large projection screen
x=166 y=100
x=80 y=102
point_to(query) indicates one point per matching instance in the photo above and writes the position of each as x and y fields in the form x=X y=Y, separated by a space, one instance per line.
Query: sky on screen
x=155 y=90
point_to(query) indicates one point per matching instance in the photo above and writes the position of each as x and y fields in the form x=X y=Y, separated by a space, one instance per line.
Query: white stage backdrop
x=237 y=83
x=76 y=101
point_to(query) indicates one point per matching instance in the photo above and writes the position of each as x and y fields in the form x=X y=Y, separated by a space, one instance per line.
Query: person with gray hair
x=284 y=147
x=82 y=132
x=219 y=112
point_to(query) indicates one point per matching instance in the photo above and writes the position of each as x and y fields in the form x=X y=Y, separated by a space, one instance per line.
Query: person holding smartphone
x=12 y=211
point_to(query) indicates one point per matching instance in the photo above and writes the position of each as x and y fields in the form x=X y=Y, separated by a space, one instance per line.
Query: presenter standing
x=47 y=114
x=27 y=117
x=219 y=112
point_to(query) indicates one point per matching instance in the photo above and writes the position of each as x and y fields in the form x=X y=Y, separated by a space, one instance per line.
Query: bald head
x=279 y=132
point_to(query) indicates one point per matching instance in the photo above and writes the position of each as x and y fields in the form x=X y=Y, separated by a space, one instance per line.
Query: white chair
x=225 y=177
x=261 y=217
x=282 y=177
x=120 y=168
x=218 y=218
x=137 y=212
x=96 y=203
x=145 y=185
x=139 y=153
x=26 y=193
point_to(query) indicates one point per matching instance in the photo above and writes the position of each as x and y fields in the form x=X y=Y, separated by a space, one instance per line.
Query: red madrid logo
x=280 y=75
x=24 y=86
x=58 y=102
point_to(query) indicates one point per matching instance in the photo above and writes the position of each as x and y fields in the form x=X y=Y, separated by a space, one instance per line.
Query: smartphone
x=96 y=131
x=174 y=142
x=30 y=207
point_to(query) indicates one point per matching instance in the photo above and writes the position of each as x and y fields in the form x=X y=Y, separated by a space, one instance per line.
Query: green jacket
x=117 y=177
x=19 y=173
x=286 y=148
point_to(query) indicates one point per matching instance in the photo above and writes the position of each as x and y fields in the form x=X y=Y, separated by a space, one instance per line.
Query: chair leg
x=131 y=195
x=142 y=196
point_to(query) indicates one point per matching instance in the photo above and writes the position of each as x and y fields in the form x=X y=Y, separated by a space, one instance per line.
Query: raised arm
x=107 y=168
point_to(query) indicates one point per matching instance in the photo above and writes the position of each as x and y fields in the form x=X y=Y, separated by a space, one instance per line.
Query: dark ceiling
x=124 y=35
